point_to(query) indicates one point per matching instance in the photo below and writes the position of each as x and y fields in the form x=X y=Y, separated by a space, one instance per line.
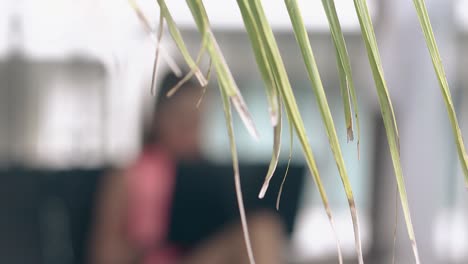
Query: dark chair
x=46 y=215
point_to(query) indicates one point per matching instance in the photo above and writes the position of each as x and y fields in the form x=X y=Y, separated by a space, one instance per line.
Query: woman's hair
x=169 y=80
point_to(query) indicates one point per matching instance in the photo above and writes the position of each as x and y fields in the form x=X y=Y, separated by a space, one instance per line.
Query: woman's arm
x=109 y=244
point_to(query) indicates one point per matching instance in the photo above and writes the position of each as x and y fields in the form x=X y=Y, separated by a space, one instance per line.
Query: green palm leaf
x=253 y=14
x=235 y=164
x=280 y=191
x=314 y=75
x=348 y=91
x=387 y=111
x=146 y=25
x=276 y=152
x=444 y=86
x=279 y=92
x=179 y=41
x=219 y=62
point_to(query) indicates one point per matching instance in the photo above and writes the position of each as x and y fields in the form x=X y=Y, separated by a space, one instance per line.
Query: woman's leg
x=228 y=246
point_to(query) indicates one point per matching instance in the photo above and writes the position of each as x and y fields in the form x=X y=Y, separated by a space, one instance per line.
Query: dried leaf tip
x=244 y=114
x=273 y=117
x=264 y=189
x=350 y=134
x=415 y=251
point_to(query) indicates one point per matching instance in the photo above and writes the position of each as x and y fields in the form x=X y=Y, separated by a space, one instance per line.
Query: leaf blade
x=344 y=68
x=146 y=25
x=281 y=78
x=275 y=155
x=219 y=62
x=388 y=115
x=312 y=69
x=177 y=37
x=156 y=56
x=426 y=27
x=274 y=102
x=280 y=191
x=235 y=164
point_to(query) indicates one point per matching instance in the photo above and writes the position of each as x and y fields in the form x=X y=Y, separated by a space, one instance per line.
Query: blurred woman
x=133 y=213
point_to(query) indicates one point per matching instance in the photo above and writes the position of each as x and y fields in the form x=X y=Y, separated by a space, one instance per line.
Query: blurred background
x=75 y=93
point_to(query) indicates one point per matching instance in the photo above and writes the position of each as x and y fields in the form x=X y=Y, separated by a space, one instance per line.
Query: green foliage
x=312 y=69
x=386 y=108
x=444 y=87
x=280 y=94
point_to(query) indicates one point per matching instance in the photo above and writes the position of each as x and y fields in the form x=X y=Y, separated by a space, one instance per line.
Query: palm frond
x=235 y=164
x=386 y=108
x=219 y=62
x=314 y=76
x=276 y=152
x=280 y=191
x=177 y=37
x=253 y=13
x=280 y=94
x=348 y=91
x=156 y=39
x=444 y=86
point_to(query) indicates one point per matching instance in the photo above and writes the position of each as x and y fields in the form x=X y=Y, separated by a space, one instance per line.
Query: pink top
x=151 y=183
